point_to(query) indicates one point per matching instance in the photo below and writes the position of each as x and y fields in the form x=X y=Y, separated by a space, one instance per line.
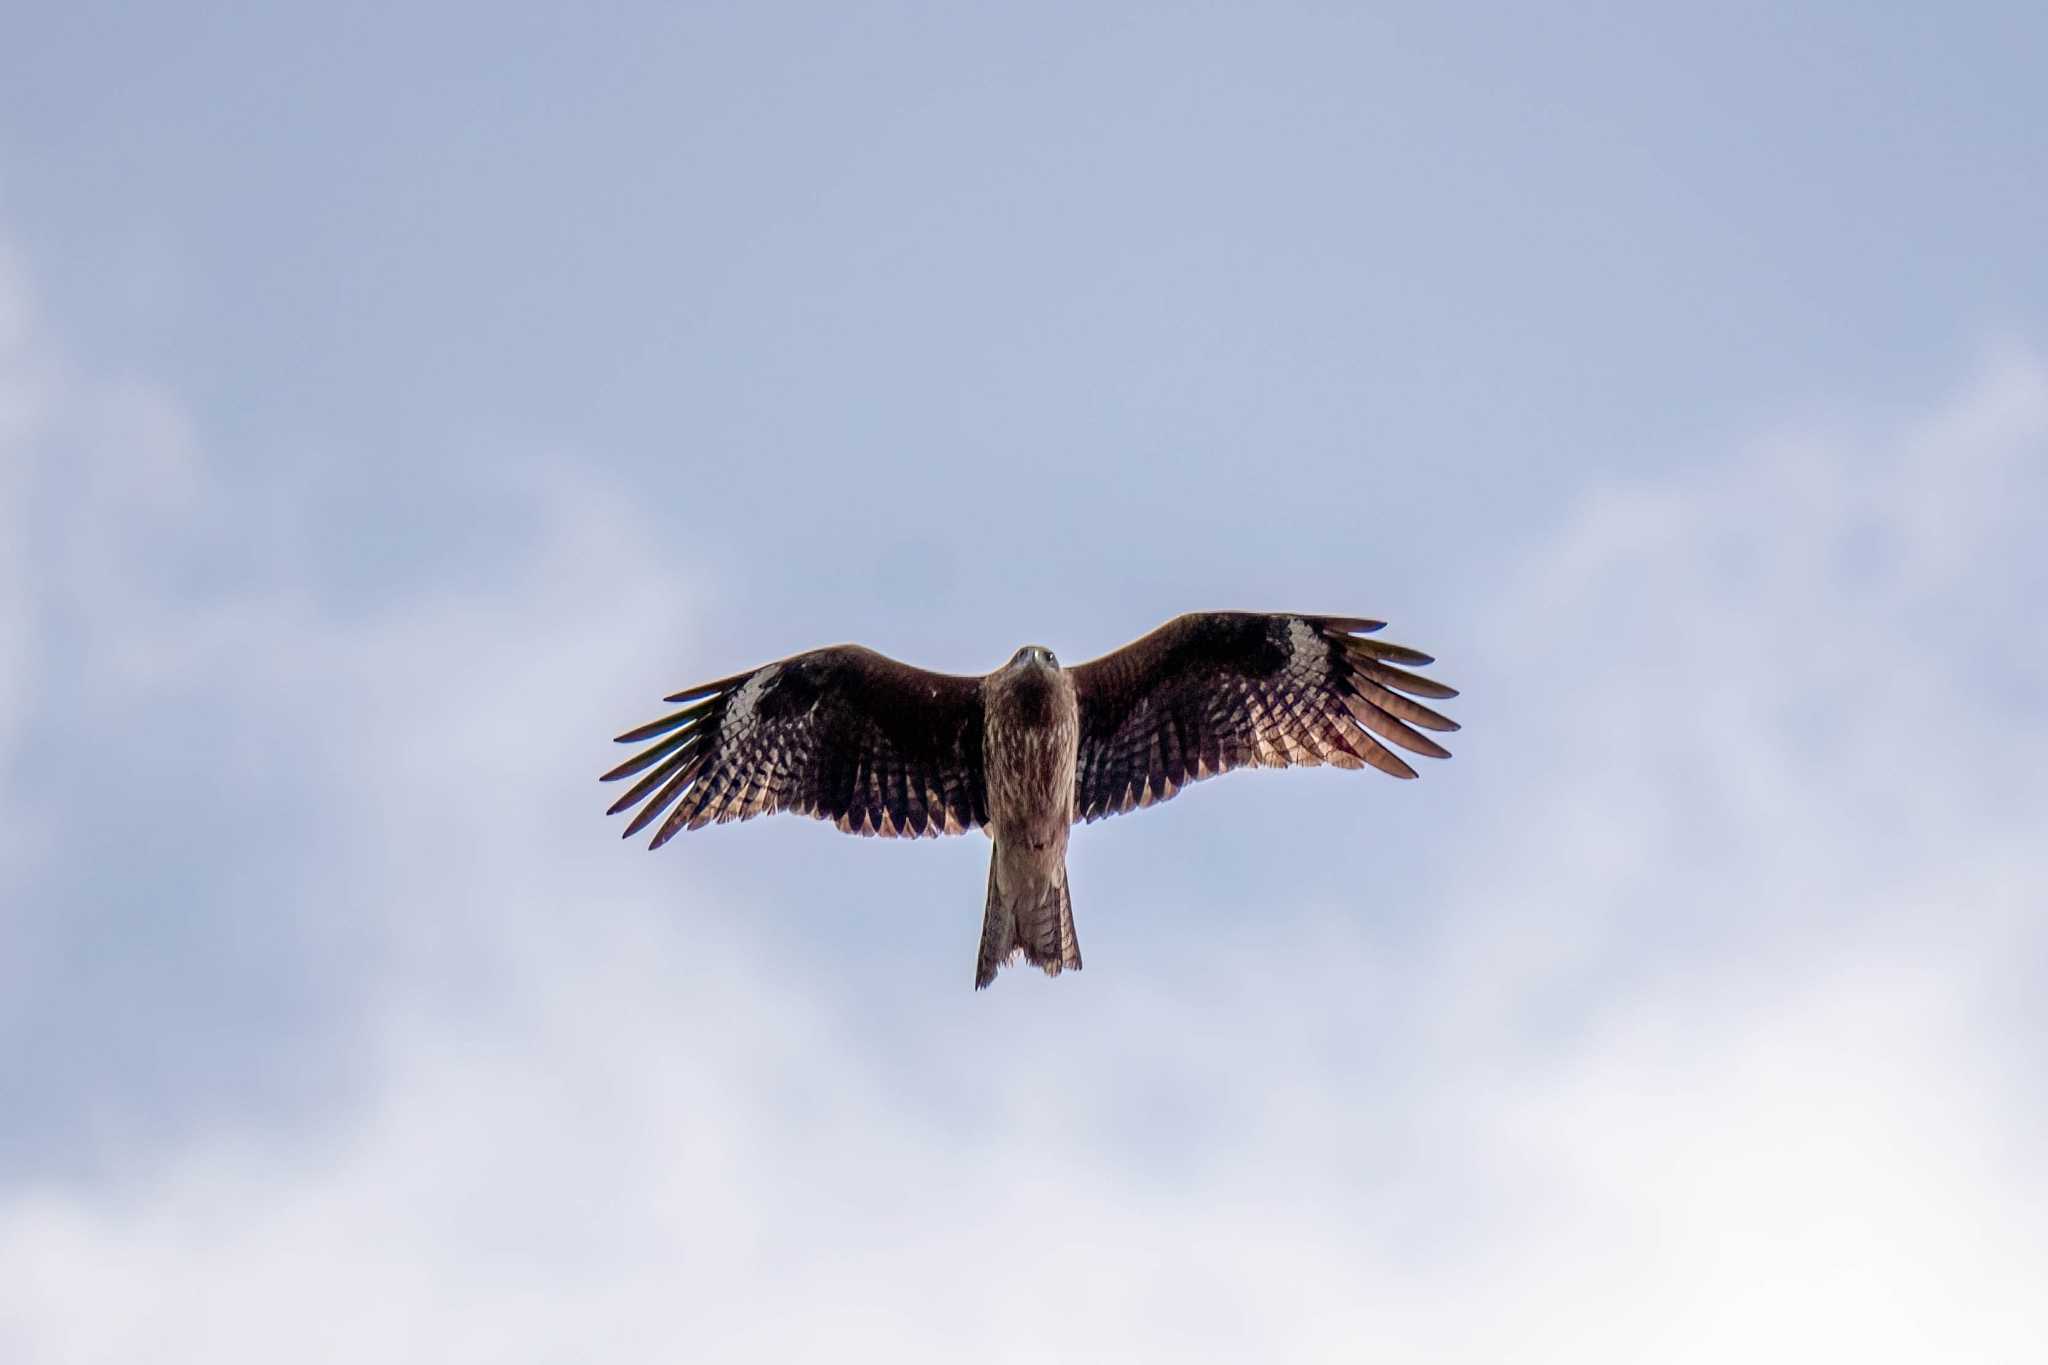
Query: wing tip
x=1349 y=625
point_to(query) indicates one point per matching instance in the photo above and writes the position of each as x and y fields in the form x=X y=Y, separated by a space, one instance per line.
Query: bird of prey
x=878 y=747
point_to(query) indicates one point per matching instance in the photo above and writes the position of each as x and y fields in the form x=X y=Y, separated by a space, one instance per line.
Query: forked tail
x=1036 y=925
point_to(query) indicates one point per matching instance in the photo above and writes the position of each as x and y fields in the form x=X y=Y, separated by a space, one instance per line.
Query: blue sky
x=394 y=404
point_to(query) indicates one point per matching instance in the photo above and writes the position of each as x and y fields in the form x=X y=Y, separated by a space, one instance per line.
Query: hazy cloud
x=1702 y=1032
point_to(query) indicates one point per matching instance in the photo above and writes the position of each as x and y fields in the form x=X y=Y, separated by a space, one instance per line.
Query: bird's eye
x=1051 y=660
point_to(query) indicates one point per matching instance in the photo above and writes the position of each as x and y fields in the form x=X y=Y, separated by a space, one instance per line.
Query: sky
x=397 y=401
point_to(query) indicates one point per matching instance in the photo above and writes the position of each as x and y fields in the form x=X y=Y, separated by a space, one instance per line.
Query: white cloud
x=1711 y=1056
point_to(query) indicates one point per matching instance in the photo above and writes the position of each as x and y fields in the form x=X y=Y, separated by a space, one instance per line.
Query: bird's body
x=1030 y=739
x=1026 y=752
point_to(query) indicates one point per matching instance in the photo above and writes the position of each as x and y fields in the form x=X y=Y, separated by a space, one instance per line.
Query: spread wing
x=1213 y=691
x=843 y=734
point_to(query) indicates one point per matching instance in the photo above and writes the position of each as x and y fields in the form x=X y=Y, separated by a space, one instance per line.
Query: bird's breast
x=1032 y=734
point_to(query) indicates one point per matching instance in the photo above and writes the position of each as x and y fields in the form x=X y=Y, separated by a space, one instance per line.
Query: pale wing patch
x=741 y=719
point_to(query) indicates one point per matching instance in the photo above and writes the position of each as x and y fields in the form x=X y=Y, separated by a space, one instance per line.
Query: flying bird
x=1026 y=752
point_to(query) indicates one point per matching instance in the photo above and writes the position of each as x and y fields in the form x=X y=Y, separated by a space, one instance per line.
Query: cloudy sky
x=395 y=403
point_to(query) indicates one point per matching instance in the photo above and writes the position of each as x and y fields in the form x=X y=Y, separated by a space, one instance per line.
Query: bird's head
x=1034 y=656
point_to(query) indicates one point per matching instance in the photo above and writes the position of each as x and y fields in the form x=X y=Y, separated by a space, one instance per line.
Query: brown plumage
x=879 y=747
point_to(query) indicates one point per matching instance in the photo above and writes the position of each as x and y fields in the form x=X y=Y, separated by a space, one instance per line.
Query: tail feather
x=1036 y=927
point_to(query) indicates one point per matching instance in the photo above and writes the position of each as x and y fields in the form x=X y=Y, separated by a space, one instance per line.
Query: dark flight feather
x=1214 y=691
x=843 y=734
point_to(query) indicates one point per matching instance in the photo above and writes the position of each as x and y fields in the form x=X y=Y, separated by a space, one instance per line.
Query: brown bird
x=878 y=747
